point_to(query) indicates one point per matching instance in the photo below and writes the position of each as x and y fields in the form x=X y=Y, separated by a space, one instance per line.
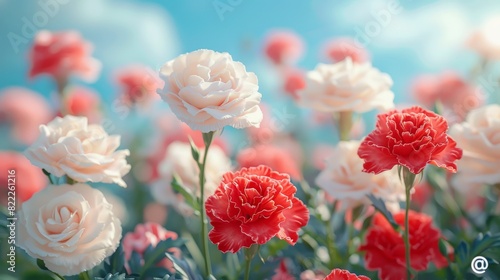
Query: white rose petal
x=347 y=86
x=479 y=138
x=86 y=153
x=71 y=228
x=208 y=90
x=344 y=179
x=179 y=161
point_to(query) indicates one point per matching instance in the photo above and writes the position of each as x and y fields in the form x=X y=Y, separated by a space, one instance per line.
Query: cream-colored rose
x=71 y=228
x=346 y=86
x=486 y=41
x=86 y=153
x=479 y=138
x=179 y=161
x=344 y=179
x=208 y=90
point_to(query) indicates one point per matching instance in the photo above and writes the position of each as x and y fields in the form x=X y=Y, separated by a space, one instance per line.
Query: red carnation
x=385 y=249
x=342 y=274
x=412 y=138
x=253 y=205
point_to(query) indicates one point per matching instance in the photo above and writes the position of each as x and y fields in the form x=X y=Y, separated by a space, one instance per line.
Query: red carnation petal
x=217 y=207
x=228 y=237
x=296 y=217
x=342 y=274
x=262 y=230
x=447 y=157
x=377 y=158
x=414 y=160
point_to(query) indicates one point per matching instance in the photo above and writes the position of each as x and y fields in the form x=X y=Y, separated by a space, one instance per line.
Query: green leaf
x=188 y=196
x=41 y=264
x=194 y=150
x=443 y=248
x=380 y=206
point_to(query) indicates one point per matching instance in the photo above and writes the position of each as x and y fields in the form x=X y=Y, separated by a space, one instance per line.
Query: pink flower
x=81 y=101
x=281 y=272
x=294 y=81
x=139 y=84
x=283 y=47
x=24 y=110
x=145 y=235
x=28 y=178
x=455 y=94
x=275 y=157
x=485 y=40
x=62 y=54
x=341 y=48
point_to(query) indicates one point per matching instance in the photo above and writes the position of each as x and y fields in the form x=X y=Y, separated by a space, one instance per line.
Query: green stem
x=84 y=275
x=330 y=239
x=409 y=179
x=249 y=254
x=345 y=125
x=207 y=138
x=57 y=275
x=407 y=235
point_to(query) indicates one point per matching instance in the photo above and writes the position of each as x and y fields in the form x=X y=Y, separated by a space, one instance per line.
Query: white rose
x=179 y=161
x=485 y=40
x=479 y=138
x=70 y=227
x=69 y=146
x=347 y=86
x=208 y=90
x=344 y=179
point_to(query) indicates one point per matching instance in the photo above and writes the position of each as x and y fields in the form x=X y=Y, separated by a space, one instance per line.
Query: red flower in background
x=276 y=158
x=253 y=205
x=145 y=235
x=139 y=84
x=412 y=138
x=85 y=102
x=341 y=274
x=294 y=81
x=283 y=47
x=339 y=49
x=449 y=88
x=385 y=249
x=29 y=179
x=62 y=54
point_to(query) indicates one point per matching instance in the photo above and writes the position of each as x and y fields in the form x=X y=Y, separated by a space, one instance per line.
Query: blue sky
x=421 y=37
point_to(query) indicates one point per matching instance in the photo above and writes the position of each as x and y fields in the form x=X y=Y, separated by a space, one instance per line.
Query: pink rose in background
x=62 y=54
x=281 y=272
x=485 y=41
x=24 y=110
x=455 y=94
x=81 y=101
x=155 y=213
x=138 y=84
x=312 y=275
x=145 y=235
x=283 y=47
x=341 y=48
x=294 y=81
x=275 y=157
x=29 y=179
